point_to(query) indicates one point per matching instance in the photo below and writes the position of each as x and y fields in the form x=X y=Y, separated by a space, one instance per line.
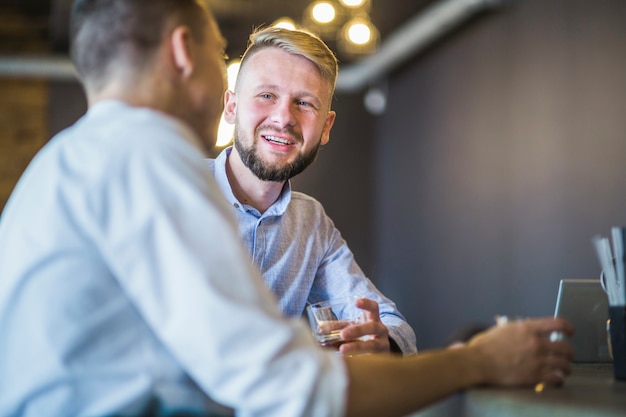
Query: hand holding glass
x=329 y=318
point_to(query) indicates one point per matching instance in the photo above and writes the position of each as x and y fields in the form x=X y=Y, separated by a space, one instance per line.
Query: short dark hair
x=103 y=31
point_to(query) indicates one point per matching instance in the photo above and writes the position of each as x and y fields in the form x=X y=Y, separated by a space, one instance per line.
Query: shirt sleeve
x=339 y=275
x=171 y=241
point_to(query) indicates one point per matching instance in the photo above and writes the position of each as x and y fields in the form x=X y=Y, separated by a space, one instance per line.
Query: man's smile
x=277 y=140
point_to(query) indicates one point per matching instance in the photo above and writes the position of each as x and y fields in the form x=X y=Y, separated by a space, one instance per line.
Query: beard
x=266 y=172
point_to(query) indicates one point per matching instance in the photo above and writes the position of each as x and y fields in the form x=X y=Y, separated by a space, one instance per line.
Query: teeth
x=277 y=140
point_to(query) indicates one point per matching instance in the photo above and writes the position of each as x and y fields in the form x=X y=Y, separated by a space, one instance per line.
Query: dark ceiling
x=25 y=23
x=238 y=17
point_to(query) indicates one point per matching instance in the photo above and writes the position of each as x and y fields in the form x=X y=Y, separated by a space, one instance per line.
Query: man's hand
x=523 y=352
x=369 y=337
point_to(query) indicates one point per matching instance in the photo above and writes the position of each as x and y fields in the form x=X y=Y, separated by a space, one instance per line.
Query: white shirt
x=123 y=285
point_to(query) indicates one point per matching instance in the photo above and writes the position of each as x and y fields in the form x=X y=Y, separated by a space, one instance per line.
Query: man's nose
x=283 y=114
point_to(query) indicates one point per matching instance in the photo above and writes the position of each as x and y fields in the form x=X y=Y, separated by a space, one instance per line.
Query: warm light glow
x=231 y=73
x=359 y=33
x=225 y=130
x=323 y=12
x=352 y=3
x=225 y=133
x=359 y=37
x=285 y=23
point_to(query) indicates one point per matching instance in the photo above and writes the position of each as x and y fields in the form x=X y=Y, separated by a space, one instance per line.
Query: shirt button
x=236 y=205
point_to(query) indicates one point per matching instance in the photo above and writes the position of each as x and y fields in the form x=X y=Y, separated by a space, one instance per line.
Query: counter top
x=590 y=391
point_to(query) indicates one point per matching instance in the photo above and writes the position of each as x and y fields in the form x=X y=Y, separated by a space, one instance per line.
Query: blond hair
x=295 y=42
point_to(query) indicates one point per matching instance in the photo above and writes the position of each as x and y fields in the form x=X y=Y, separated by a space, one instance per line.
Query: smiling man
x=282 y=115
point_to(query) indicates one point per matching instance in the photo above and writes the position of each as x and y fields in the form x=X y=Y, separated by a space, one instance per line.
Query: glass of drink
x=329 y=318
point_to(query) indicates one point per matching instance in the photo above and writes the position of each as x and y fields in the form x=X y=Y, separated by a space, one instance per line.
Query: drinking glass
x=328 y=318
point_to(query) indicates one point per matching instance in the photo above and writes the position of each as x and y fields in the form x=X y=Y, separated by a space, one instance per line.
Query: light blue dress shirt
x=125 y=290
x=303 y=257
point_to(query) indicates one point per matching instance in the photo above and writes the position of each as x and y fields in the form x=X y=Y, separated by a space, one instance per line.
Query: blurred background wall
x=500 y=154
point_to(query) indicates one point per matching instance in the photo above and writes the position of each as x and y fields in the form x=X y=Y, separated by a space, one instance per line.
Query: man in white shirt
x=124 y=289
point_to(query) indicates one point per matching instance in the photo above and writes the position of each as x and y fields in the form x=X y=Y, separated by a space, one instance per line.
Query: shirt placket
x=259 y=243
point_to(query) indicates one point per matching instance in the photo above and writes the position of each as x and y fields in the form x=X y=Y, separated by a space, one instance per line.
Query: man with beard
x=281 y=111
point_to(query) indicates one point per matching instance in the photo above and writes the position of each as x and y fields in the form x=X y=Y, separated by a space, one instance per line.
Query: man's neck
x=247 y=187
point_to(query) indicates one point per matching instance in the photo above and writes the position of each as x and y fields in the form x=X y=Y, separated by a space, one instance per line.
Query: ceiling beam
x=407 y=41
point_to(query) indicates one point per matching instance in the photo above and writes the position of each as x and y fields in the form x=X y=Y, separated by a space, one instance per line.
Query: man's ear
x=230 y=106
x=328 y=124
x=180 y=43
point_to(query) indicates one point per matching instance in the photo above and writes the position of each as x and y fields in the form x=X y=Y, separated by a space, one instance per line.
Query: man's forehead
x=318 y=87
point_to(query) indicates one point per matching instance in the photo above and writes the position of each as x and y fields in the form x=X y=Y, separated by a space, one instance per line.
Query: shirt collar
x=113 y=108
x=277 y=209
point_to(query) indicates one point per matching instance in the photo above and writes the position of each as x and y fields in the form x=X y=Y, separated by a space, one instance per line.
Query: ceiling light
x=285 y=23
x=344 y=21
x=323 y=12
x=358 y=37
x=359 y=31
x=352 y=3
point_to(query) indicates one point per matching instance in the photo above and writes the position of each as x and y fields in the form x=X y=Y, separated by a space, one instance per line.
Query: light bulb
x=359 y=33
x=323 y=12
x=352 y=3
x=285 y=23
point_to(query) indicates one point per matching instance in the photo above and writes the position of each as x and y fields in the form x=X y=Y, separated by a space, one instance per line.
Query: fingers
x=370 y=307
x=373 y=329
x=560 y=364
x=522 y=352
x=557 y=362
x=374 y=345
x=369 y=337
x=547 y=325
x=558 y=349
x=553 y=377
x=553 y=372
x=554 y=353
